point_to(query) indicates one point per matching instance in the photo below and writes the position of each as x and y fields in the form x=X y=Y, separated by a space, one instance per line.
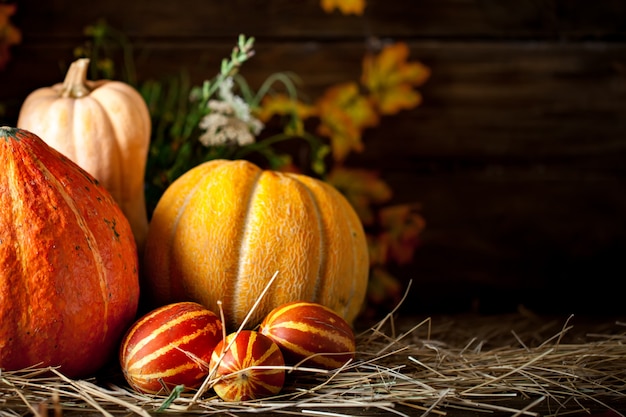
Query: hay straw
x=512 y=365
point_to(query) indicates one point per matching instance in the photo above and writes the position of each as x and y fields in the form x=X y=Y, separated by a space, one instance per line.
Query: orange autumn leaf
x=344 y=113
x=283 y=105
x=344 y=135
x=346 y=7
x=362 y=188
x=402 y=225
x=9 y=34
x=390 y=79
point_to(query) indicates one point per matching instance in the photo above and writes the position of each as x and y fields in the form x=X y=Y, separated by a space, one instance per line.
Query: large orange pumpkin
x=69 y=284
x=224 y=228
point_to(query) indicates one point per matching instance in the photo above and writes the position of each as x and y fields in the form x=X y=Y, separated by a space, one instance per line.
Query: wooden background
x=517 y=155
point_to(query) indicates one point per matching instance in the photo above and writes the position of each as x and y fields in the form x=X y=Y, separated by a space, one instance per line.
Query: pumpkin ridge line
x=242 y=240
x=89 y=237
x=115 y=186
x=126 y=154
x=170 y=243
x=355 y=260
x=321 y=268
x=17 y=248
x=70 y=151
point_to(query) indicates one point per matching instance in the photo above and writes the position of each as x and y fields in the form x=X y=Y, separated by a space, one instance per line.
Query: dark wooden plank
x=483 y=99
x=554 y=19
x=494 y=242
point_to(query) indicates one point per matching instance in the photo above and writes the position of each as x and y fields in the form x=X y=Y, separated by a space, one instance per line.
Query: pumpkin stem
x=75 y=83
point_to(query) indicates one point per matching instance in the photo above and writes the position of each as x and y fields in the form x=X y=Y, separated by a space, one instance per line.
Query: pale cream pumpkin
x=224 y=228
x=103 y=126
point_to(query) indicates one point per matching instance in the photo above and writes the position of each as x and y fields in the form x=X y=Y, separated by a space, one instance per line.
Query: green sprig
x=177 y=107
x=229 y=68
x=174 y=395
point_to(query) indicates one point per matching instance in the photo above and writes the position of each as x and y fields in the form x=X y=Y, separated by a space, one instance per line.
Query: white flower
x=221 y=129
x=240 y=108
x=230 y=119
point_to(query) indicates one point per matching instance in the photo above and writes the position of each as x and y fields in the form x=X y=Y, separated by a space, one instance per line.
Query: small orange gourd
x=69 y=285
x=104 y=126
x=223 y=229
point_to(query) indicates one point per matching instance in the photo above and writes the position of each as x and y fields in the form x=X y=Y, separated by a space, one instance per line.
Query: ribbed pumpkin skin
x=221 y=231
x=68 y=261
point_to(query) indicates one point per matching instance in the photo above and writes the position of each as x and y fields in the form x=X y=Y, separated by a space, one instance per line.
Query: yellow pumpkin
x=224 y=228
x=103 y=126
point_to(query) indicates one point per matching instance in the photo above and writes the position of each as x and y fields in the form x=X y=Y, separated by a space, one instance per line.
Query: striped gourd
x=236 y=374
x=170 y=346
x=310 y=333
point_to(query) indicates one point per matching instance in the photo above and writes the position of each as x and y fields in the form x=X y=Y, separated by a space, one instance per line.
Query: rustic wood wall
x=517 y=155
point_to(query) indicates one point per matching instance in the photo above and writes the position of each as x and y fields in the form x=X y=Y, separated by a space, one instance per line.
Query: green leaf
x=174 y=395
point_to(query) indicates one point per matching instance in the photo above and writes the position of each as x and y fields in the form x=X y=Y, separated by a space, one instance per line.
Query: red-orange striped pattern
x=237 y=378
x=170 y=346
x=310 y=332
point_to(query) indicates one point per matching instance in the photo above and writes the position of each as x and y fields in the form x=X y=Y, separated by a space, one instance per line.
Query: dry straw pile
x=437 y=367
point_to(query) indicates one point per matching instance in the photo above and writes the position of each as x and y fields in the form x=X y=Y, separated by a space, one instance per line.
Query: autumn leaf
x=283 y=105
x=344 y=113
x=362 y=188
x=346 y=7
x=344 y=135
x=391 y=80
x=402 y=226
x=9 y=34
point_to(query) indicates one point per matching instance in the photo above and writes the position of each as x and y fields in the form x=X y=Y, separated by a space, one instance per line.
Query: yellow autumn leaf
x=391 y=80
x=343 y=134
x=344 y=113
x=346 y=7
x=283 y=105
x=362 y=188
